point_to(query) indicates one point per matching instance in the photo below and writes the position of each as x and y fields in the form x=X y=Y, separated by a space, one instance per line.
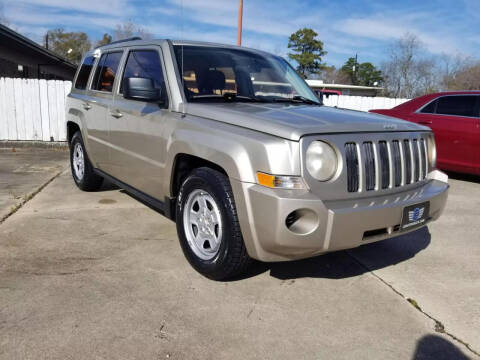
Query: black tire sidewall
x=77 y=139
x=91 y=181
x=202 y=180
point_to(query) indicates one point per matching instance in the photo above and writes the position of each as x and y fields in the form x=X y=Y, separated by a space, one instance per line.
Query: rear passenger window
x=84 y=73
x=106 y=71
x=144 y=64
x=461 y=105
x=430 y=108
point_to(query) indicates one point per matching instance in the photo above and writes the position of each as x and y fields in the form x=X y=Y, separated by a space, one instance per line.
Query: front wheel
x=208 y=227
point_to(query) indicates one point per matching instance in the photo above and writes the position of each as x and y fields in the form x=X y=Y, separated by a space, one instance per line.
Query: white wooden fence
x=362 y=103
x=35 y=109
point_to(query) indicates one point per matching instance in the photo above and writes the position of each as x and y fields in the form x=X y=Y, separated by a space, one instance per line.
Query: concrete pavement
x=24 y=170
x=99 y=275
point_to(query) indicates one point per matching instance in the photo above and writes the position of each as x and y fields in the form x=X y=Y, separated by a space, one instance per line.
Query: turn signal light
x=280 y=182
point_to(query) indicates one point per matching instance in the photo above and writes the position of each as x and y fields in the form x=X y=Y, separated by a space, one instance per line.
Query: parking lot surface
x=23 y=171
x=101 y=276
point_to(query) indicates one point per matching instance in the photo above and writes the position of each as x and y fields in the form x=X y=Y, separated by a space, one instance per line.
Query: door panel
x=93 y=108
x=97 y=109
x=97 y=128
x=476 y=146
x=138 y=144
x=137 y=128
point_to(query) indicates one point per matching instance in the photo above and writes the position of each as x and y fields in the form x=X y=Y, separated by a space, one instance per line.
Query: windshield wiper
x=233 y=97
x=295 y=99
x=305 y=100
x=228 y=97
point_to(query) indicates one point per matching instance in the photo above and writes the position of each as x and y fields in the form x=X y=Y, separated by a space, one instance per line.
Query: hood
x=292 y=121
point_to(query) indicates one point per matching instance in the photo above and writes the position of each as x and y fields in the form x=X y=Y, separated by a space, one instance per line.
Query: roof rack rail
x=123 y=40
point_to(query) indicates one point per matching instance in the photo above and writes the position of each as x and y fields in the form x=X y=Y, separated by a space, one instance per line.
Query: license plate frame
x=415 y=215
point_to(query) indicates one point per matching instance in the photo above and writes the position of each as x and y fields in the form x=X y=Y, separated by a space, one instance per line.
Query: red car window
x=461 y=105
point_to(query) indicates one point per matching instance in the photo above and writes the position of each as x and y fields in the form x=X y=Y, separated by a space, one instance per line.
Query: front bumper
x=328 y=225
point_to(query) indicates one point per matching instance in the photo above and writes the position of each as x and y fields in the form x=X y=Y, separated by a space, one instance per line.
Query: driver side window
x=144 y=64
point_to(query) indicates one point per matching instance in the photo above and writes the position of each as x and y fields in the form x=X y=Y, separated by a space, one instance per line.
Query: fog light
x=302 y=221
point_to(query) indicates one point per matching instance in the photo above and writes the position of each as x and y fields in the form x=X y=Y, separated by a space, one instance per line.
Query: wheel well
x=72 y=128
x=183 y=165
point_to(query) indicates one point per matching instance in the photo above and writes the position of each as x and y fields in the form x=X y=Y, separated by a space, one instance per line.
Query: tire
x=218 y=252
x=86 y=180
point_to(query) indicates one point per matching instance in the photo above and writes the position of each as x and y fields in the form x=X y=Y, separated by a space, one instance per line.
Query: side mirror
x=141 y=89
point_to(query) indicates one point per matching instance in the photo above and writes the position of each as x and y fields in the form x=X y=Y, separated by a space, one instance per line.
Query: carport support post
x=240 y=15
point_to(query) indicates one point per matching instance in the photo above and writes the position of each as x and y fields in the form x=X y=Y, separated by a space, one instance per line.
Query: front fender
x=240 y=152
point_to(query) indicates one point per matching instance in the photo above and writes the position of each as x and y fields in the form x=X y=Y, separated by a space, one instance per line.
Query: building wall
x=34 y=67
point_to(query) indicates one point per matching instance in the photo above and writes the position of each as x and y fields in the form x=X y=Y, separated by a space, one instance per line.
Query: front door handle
x=116 y=114
x=87 y=106
x=425 y=122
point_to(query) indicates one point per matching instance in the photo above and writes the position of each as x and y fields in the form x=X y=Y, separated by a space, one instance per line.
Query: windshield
x=229 y=74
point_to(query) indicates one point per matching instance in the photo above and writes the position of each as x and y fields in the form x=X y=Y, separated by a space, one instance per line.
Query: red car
x=454 y=119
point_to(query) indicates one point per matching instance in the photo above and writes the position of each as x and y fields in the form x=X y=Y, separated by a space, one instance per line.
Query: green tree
x=368 y=75
x=130 y=29
x=106 y=39
x=365 y=74
x=307 y=51
x=349 y=69
x=70 y=45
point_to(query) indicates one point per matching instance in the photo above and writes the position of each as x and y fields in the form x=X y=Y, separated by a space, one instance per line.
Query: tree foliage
x=105 y=40
x=70 y=45
x=307 y=51
x=364 y=74
x=130 y=29
x=466 y=77
x=409 y=72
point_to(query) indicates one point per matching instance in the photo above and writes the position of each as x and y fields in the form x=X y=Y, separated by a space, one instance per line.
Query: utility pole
x=355 y=68
x=240 y=16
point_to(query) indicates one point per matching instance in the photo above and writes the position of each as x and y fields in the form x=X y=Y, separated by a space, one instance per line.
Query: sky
x=347 y=27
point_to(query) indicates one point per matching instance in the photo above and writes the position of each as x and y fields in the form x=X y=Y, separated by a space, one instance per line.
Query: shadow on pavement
x=436 y=347
x=345 y=264
x=108 y=186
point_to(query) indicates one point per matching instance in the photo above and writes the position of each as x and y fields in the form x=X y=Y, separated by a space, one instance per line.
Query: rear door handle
x=425 y=122
x=87 y=106
x=116 y=114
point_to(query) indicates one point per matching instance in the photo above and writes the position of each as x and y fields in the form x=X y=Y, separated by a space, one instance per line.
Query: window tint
x=463 y=105
x=84 y=73
x=106 y=71
x=210 y=72
x=144 y=64
x=430 y=108
x=218 y=80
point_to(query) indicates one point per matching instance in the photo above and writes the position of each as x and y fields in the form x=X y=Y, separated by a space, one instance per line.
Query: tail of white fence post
x=32 y=109
x=362 y=103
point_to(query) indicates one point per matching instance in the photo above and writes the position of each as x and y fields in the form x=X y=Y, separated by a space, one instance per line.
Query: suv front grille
x=385 y=164
x=352 y=167
x=369 y=166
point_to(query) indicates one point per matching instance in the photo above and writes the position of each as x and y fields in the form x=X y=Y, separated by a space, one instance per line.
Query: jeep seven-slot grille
x=352 y=167
x=398 y=162
x=369 y=166
x=384 y=164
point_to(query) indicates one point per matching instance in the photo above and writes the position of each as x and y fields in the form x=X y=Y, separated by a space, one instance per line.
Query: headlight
x=321 y=161
x=432 y=152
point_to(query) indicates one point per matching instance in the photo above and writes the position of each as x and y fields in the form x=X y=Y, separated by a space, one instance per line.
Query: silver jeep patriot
x=232 y=145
